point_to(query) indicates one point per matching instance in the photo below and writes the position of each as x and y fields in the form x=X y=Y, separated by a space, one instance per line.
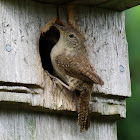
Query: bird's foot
x=58 y=82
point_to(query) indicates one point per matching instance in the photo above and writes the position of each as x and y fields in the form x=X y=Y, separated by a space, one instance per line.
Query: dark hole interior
x=46 y=43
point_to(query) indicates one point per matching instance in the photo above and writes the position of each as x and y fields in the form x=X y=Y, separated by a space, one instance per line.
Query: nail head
x=8 y=48
x=121 y=68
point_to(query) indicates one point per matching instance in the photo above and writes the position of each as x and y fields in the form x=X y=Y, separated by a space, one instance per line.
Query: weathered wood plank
x=21 y=24
x=63 y=101
x=21 y=125
x=118 y=5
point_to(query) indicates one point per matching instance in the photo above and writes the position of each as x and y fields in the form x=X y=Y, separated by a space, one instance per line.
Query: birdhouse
x=33 y=105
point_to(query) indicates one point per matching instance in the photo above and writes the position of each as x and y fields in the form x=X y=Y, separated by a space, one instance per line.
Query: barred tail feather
x=84 y=113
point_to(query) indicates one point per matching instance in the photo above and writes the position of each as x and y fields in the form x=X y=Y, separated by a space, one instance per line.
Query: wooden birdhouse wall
x=21 y=22
x=24 y=84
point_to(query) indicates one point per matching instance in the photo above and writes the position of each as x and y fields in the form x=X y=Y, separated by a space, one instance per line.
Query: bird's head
x=70 y=36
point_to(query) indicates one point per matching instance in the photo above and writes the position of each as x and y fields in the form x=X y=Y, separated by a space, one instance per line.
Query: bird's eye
x=71 y=35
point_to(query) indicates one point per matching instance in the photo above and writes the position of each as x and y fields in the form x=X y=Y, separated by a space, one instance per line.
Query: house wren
x=71 y=64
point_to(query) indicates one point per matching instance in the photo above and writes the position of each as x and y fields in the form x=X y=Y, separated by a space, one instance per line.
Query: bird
x=71 y=64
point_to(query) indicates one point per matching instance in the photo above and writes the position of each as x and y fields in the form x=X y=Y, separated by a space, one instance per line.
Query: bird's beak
x=60 y=28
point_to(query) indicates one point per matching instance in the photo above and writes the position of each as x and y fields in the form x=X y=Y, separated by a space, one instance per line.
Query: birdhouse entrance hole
x=47 y=40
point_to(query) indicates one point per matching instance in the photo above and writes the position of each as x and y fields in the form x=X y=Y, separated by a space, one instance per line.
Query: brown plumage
x=71 y=64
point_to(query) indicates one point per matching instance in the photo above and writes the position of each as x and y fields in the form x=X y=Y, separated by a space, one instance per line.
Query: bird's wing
x=79 y=68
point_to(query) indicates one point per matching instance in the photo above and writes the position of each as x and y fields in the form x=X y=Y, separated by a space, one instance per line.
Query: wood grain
x=23 y=125
x=118 y=5
x=21 y=24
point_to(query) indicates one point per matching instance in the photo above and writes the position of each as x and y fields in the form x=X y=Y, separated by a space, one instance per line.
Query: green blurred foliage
x=129 y=129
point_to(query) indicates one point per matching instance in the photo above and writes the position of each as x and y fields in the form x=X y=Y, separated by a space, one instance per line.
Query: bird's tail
x=84 y=111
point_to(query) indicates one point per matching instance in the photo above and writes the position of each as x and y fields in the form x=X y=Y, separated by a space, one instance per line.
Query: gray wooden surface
x=21 y=23
x=21 y=125
x=118 y=5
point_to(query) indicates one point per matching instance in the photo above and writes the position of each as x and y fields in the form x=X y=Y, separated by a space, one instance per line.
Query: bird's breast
x=55 y=52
